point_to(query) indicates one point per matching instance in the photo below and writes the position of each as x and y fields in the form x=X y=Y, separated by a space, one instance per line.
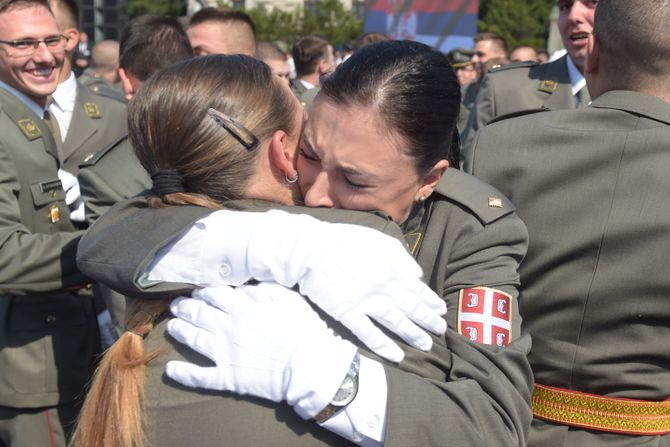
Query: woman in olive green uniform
x=473 y=387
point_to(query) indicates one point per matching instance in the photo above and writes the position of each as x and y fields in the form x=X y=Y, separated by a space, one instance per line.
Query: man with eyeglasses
x=48 y=333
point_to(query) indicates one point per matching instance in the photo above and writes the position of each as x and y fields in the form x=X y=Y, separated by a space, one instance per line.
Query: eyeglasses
x=237 y=130
x=25 y=47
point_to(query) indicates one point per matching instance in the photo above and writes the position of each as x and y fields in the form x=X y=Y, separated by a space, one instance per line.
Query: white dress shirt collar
x=576 y=78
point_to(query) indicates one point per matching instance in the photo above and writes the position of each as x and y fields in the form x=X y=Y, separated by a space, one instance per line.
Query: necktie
x=52 y=123
x=583 y=97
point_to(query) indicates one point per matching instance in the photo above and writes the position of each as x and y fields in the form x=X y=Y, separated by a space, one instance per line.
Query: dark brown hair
x=150 y=43
x=415 y=90
x=6 y=5
x=307 y=52
x=221 y=15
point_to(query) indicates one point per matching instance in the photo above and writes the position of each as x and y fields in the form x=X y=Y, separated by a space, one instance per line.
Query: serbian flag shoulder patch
x=485 y=316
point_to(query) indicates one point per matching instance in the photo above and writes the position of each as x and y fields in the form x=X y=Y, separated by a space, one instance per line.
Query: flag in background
x=442 y=24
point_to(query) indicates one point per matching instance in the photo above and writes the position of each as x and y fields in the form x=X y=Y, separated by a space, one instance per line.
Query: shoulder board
x=512 y=66
x=107 y=92
x=485 y=202
x=93 y=159
x=516 y=114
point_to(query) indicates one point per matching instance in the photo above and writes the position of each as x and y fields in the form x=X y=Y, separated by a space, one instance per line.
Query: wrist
x=316 y=374
x=344 y=395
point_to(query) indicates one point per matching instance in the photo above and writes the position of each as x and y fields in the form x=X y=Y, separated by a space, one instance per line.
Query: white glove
x=265 y=340
x=351 y=272
x=72 y=195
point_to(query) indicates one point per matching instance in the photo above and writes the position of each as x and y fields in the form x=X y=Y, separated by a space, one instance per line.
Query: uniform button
x=224 y=270
x=357 y=437
x=373 y=421
x=51 y=319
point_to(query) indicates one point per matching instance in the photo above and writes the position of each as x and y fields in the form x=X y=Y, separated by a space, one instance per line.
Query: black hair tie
x=167 y=181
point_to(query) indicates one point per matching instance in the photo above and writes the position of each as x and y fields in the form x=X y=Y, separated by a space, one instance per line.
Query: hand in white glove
x=353 y=273
x=72 y=195
x=265 y=340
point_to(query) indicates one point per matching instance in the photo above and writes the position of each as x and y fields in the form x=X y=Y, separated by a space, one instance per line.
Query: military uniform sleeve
x=485 y=399
x=29 y=261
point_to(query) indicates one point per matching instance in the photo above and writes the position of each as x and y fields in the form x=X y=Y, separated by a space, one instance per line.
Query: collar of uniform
x=32 y=105
x=576 y=78
x=65 y=94
x=412 y=228
x=307 y=85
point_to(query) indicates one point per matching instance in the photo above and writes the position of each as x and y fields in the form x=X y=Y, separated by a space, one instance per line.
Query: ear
x=72 y=35
x=282 y=155
x=127 y=83
x=592 y=54
x=430 y=180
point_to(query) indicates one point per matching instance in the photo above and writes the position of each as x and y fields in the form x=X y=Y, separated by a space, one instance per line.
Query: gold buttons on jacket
x=54 y=214
x=51 y=319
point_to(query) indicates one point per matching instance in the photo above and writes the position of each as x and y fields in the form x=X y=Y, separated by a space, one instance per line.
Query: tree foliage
x=521 y=22
x=327 y=18
x=158 y=7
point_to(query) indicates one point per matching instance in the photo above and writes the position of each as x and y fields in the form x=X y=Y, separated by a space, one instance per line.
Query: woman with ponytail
x=380 y=136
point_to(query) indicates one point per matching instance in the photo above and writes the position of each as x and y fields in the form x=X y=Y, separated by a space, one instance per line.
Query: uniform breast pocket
x=47 y=191
x=49 y=346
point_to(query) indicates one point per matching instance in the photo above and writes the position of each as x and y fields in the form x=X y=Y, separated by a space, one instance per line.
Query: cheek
x=307 y=172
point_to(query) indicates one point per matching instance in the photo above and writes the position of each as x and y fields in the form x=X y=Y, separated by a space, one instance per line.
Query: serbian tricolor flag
x=442 y=24
x=485 y=316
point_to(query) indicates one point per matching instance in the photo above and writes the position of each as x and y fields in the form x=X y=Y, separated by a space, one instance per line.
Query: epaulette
x=512 y=66
x=95 y=157
x=485 y=202
x=517 y=114
x=107 y=91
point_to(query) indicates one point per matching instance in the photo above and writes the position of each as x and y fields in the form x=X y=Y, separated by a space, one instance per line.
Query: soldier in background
x=530 y=86
x=49 y=338
x=313 y=57
x=148 y=44
x=222 y=31
x=104 y=67
x=592 y=186
x=272 y=55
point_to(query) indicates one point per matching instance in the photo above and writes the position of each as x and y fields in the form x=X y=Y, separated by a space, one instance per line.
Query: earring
x=422 y=198
x=291 y=180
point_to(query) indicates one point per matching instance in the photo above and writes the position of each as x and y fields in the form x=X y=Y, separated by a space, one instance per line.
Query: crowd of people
x=210 y=240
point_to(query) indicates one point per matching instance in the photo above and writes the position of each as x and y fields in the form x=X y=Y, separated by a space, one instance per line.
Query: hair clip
x=237 y=130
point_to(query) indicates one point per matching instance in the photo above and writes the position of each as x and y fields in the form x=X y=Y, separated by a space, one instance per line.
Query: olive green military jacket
x=91 y=79
x=48 y=336
x=592 y=185
x=461 y=392
x=297 y=87
x=99 y=118
x=518 y=88
x=111 y=175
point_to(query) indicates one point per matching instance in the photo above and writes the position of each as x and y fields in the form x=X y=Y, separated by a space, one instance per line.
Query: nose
x=576 y=13
x=319 y=193
x=43 y=53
